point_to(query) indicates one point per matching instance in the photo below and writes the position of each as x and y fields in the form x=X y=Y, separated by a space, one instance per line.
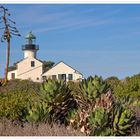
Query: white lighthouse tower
x=30 y=49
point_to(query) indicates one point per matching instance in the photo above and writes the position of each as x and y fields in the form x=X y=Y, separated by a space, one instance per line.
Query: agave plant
x=99 y=122
x=126 y=100
x=99 y=113
x=93 y=87
x=50 y=89
x=106 y=101
x=58 y=95
x=89 y=90
x=37 y=112
x=123 y=120
x=88 y=96
x=99 y=117
x=136 y=102
x=116 y=123
x=73 y=118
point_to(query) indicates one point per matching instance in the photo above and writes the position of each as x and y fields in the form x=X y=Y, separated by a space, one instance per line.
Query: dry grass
x=136 y=131
x=8 y=128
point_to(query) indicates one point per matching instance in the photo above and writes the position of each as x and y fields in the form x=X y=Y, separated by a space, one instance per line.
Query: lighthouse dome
x=30 y=36
x=30 y=48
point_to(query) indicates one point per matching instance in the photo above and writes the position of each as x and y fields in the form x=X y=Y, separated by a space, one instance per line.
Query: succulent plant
x=123 y=120
x=58 y=95
x=98 y=117
x=106 y=101
x=93 y=87
x=89 y=90
x=126 y=100
x=37 y=112
x=64 y=103
x=91 y=94
x=78 y=119
x=116 y=123
x=99 y=114
x=99 y=120
x=50 y=89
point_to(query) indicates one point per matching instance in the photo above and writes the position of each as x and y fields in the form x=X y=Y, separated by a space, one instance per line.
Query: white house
x=62 y=71
x=32 y=68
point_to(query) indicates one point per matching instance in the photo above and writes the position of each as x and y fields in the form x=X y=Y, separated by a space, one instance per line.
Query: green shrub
x=112 y=82
x=128 y=87
x=88 y=105
x=13 y=105
x=17 y=85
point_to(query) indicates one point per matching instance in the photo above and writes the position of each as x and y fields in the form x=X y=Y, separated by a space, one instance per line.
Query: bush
x=14 y=105
x=88 y=106
x=112 y=82
x=17 y=85
x=129 y=87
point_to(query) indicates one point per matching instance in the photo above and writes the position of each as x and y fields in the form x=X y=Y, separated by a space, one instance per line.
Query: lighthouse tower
x=30 y=49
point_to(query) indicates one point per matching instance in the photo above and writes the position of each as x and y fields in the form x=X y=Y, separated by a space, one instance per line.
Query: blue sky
x=101 y=39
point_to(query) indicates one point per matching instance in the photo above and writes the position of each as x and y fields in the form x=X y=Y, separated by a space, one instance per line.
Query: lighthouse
x=30 y=48
x=31 y=68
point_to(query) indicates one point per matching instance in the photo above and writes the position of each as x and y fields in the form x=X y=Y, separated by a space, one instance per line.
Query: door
x=12 y=75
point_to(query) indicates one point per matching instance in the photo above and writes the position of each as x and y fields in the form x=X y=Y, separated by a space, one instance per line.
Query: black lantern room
x=30 y=43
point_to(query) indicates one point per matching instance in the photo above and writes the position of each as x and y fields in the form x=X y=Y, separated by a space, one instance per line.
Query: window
x=70 y=76
x=12 y=75
x=62 y=76
x=32 y=63
x=53 y=77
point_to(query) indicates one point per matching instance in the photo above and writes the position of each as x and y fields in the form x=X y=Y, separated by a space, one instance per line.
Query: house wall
x=25 y=71
x=62 y=68
x=10 y=72
x=78 y=76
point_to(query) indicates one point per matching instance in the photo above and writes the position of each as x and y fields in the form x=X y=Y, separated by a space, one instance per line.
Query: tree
x=9 y=30
x=112 y=82
x=47 y=65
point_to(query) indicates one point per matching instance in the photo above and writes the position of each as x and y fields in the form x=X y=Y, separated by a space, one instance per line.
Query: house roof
x=26 y=58
x=20 y=60
x=65 y=64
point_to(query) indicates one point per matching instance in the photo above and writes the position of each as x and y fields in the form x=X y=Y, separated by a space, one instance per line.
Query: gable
x=25 y=66
x=26 y=60
x=61 y=67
